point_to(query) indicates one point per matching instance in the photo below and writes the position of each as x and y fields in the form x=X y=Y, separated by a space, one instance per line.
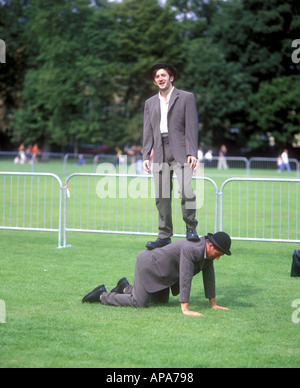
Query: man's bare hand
x=193 y=313
x=186 y=311
x=192 y=161
x=215 y=306
x=146 y=166
x=219 y=308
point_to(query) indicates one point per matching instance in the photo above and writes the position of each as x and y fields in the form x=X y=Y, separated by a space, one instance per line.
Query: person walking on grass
x=171 y=132
x=170 y=267
x=285 y=165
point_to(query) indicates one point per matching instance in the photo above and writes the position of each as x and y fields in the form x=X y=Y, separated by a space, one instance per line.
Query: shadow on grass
x=237 y=296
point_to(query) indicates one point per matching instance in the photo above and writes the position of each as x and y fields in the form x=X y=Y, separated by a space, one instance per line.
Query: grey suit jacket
x=175 y=264
x=182 y=123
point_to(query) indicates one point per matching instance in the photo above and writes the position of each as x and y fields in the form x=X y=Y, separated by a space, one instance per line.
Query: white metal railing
x=65 y=164
x=31 y=201
x=261 y=209
x=271 y=164
x=254 y=209
x=125 y=204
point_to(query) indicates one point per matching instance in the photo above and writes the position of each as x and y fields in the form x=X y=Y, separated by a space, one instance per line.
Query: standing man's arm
x=147 y=140
x=192 y=129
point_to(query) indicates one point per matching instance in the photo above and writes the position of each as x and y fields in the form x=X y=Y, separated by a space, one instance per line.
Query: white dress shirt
x=164 y=107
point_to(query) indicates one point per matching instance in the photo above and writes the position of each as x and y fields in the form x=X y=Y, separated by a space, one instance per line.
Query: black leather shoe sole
x=94 y=296
x=159 y=243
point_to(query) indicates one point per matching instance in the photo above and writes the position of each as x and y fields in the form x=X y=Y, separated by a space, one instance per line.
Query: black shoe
x=191 y=234
x=159 y=243
x=122 y=283
x=94 y=296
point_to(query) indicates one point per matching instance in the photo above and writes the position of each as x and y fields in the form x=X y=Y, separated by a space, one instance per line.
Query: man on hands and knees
x=170 y=267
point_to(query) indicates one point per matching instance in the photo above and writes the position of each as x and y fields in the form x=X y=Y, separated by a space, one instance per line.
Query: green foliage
x=12 y=24
x=67 y=92
x=246 y=45
x=78 y=72
x=275 y=107
x=146 y=33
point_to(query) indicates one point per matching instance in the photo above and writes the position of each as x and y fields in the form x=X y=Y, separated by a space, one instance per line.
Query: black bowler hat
x=221 y=240
x=166 y=66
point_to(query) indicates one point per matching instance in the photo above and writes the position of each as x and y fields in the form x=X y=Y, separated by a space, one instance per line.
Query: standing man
x=171 y=266
x=171 y=131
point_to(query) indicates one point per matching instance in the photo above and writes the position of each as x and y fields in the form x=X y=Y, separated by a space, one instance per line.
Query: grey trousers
x=136 y=295
x=131 y=298
x=163 y=174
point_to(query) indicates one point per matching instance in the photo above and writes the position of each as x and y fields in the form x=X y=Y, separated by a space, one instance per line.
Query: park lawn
x=48 y=326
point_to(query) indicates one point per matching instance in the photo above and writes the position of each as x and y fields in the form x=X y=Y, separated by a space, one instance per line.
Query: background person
x=35 y=152
x=208 y=158
x=222 y=163
x=285 y=165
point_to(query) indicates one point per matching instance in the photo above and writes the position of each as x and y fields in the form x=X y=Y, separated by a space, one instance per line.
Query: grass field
x=42 y=287
x=48 y=326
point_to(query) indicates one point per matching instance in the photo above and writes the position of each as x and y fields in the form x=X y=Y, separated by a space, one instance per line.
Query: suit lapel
x=157 y=108
x=174 y=97
x=156 y=116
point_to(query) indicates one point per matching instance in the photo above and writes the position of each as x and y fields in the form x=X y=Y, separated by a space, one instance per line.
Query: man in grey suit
x=171 y=133
x=172 y=266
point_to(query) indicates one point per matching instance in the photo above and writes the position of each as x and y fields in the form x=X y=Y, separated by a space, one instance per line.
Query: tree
x=247 y=42
x=12 y=25
x=220 y=89
x=146 y=34
x=89 y=77
x=67 y=88
x=276 y=108
x=255 y=36
x=78 y=70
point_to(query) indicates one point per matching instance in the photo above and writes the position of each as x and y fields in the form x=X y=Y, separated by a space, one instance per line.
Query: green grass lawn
x=48 y=326
x=42 y=287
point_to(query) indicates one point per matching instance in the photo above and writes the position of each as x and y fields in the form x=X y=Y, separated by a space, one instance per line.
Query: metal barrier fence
x=53 y=162
x=125 y=204
x=66 y=164
x=236 y=162
x=31 y=201
x=261 y=209
x=271 y=164
x=255 y=209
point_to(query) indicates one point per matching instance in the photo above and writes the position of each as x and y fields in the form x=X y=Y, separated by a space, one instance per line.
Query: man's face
x=163 y=80
x=212 y=252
